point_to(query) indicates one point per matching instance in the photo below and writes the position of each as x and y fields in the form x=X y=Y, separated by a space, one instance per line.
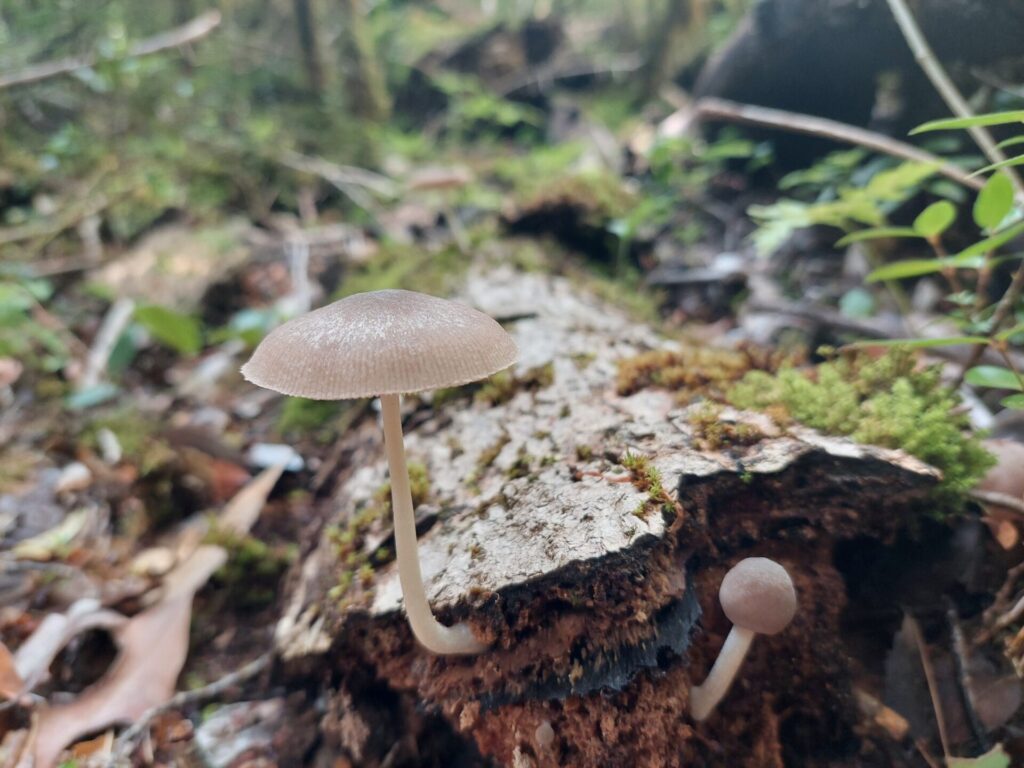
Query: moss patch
x=646 y=479
x=357 y=565
x=711 y=433
x=692 y=371
x=254 y=568
x=887 y=401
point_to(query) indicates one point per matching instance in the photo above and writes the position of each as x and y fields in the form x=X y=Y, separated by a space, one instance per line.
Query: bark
x=589 y=590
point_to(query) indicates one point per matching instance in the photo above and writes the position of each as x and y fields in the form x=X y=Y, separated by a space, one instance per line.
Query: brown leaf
x=154 y=645
x=244 y=509
x=11 y=683
x=54 y=632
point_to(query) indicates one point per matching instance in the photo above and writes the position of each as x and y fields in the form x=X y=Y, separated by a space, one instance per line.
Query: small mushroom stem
x=434 y=636
x=704 y=697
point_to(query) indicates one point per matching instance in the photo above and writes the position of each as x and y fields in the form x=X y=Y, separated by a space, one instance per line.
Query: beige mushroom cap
x=757 y=594
x=380 y=343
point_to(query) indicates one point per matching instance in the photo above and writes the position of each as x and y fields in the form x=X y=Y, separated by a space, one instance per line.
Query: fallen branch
x=722 y=109
x=346 y=178
x=198 y=28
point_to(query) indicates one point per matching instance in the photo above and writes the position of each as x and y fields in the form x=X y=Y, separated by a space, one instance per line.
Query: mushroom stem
x=705 y=696
x=434 y=636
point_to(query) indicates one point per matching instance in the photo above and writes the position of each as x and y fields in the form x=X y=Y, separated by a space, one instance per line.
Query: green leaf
x=1004 y=335
x=994 y=201
x=935 y=219
x=87 y=398
x=1011 y=142
x=949 y=341
x=994 y=758
x=1007 y=163
x=178 y=331
x=953 y=123
x=993 y=241
x=877 y=233
x=1014 y=401
x=994 y=376
x=917 y=267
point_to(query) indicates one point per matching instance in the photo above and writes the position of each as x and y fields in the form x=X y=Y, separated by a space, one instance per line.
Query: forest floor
x=197 y=571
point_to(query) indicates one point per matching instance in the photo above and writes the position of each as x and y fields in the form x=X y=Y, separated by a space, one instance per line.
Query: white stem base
x=434 y=636
x=704 y=697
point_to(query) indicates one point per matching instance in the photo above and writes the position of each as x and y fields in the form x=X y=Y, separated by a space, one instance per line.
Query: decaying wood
x=588 y=587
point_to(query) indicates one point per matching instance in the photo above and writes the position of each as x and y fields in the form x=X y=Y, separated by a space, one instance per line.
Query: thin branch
x=721 y=109
x=198 y=28
x=125 y=742
x=931 y=66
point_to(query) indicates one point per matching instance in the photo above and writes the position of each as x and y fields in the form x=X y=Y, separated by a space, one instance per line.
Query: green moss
x=521 y=467
x=253 y=569
x=132 y=431
x=302 y=416
x=598 y=197
x=691 y=371
x=503 y=386
x=886 y=401
x=711 y=433
x=646 y=478
x=357 y=565
x=407 y=266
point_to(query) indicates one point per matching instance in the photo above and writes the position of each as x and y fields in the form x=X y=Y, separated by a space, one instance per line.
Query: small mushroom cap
x=380 y=343
x=757 y=594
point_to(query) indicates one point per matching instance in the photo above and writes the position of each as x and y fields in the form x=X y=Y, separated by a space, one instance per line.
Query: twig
x=721 y=109
x=961 y=659
x=348 y=179
x=1002 y=597
x=198 y=28
x=933 y=683
x=114 y=323
x=935 y=72
x=1003 y=311
x=125 y=742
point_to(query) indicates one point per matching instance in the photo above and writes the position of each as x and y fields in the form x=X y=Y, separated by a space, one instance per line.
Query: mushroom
x=386 y=343
x=757 y=596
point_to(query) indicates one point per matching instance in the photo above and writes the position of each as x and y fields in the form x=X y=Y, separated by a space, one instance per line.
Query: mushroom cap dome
x=380 y=343
x=758 y=594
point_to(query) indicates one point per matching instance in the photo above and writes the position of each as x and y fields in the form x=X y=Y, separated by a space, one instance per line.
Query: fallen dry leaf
x=244 y=509
x=154 y=646
x=11 y=683
x=54 y=632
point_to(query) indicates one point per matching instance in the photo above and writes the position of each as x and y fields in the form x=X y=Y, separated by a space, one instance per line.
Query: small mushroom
x=757 y=596
x=386 y=343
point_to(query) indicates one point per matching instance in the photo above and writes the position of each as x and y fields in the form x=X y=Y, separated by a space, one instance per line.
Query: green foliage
x=36 y=344
x=411 y=267
x=994 y=758
x=179 y=331
x=935 y=219
x=885 y=401
x=994 y=203
x=254 y=568
x=842 y=208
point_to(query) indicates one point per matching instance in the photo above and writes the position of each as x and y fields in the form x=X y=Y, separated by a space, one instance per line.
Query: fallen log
x=584 y=535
